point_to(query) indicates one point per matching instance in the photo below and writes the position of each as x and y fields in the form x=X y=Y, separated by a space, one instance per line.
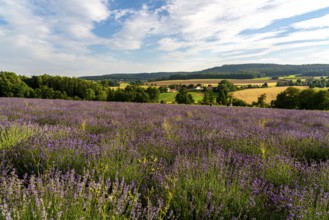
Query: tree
x=239 y=102
x=208 y=98
x=183 y=97
x=321 y=99
x=287 y=99
x=224 y=89
x=162 y=89
x=11 y=85
x=261 y=100
x=153 y=93
x=142 y=96
x=307 y=99
x=89 y=94
x=111 y=95
x=265 y=85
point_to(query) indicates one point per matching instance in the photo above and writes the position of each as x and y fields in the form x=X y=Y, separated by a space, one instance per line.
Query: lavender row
x=92 y=160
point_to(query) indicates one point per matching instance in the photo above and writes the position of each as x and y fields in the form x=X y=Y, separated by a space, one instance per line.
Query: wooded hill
x=238 y=71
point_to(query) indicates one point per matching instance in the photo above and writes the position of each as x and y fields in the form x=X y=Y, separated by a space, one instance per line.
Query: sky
x=96 y=37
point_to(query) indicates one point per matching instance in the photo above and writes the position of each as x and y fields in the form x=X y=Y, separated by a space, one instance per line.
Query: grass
x=251 y=95
x=319 y=89
x=170 y=97
x=12 y=135
x=197 y=96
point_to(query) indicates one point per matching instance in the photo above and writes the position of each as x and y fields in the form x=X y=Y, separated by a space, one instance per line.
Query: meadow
x=169 y=97
x=101 y=160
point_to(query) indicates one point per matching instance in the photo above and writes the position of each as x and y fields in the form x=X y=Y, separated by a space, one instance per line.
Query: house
x=171 y=90
x=198 y=88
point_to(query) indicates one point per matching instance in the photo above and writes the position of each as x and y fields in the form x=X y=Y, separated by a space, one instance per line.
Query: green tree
x=307 y=99
x=321 y=100
x=208 y=98
x=11 y=85
x=288 y=99
x=261 y=101
x=154 y=94
x=183 y=97
x=89 y=94
x=225 y=88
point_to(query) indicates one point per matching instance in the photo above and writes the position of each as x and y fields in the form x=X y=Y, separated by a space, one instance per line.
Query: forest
x=58 y=87
x=237 y=71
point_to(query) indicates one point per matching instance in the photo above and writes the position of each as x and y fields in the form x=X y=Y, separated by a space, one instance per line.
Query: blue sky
x=93 y=37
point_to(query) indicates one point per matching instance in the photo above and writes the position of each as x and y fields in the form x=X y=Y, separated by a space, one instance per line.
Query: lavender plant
x=94 y=160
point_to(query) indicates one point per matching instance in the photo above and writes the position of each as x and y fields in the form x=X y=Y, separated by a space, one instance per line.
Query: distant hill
x=237 y=71
x=133 y=76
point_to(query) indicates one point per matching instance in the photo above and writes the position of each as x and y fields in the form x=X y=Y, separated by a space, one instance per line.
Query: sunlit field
x=100 y=160
x=251 y=95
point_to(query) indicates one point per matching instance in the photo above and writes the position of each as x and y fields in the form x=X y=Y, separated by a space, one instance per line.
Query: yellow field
x=214 y=81
x=251 y=95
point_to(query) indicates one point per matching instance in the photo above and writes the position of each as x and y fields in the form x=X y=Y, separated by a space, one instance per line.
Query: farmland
x=251 y=95
x=215 y=81
x=98 y=160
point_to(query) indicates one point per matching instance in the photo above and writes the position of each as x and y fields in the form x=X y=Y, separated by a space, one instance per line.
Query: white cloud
x=169 y=44
x=55 y=35
x=209 y=24
x=322 y=22
x=135 y=29
x=43 y=35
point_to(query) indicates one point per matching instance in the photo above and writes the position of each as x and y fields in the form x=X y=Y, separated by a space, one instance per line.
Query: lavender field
x=97 y=160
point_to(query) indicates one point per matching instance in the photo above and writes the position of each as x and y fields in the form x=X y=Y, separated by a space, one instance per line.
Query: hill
x=237 y=71
x=132 y=76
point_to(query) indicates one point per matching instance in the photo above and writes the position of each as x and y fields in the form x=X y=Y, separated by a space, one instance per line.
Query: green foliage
x=308 y=150
x=10 y=136
x=208 y=98
x=288 y=99
x=183 y=97
x=280 y=172
x=261 y=101
x=11 y=85
x=153 y=93
x=293 y=98
x=306 y=99
x=239 y=102
x=224 y=89
x=57 y=87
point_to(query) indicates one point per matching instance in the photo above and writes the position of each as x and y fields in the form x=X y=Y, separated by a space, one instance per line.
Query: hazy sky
x=92 y=37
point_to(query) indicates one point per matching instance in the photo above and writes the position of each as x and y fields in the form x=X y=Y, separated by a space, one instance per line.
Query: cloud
x=322 y=22
x=57 y=35
x=48 y=32
x=140 y=25
x=216 y=26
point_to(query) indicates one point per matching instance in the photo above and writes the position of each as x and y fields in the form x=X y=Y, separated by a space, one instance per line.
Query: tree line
x=58 y=87
x=294 y=98
x=312 y=83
